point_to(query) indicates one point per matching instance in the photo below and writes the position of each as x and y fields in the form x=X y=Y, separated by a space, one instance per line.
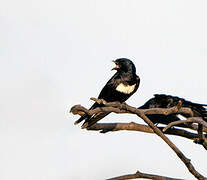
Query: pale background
x=57 y=53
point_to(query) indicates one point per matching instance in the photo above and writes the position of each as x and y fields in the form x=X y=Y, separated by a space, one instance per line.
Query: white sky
x=55 y=54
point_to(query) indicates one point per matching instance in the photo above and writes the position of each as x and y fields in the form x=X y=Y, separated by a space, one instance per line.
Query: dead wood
x=117 y=107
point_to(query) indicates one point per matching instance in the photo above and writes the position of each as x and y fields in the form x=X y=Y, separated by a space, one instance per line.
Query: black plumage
x=120 y=87
x=167 y=101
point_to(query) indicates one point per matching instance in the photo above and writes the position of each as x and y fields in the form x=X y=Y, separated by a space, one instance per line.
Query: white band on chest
x=126 y=89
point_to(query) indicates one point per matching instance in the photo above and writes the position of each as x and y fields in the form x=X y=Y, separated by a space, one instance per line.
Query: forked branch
x=124 y=108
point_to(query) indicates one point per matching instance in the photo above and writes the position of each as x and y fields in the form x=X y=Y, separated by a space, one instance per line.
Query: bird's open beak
x=117 y=66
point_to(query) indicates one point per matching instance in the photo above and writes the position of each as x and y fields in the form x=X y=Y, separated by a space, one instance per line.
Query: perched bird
x=167 y=101
x=120 y=87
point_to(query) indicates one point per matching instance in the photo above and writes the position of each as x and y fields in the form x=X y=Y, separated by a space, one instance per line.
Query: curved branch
x=189 y=120
x=143 y=175
x=201 y=124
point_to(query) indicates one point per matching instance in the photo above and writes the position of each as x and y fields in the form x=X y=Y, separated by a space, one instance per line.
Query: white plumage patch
x=126 y=89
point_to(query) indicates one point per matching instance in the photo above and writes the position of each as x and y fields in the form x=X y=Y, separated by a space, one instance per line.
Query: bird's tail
x=199 y=110
x=85 y=116
x=94 y=119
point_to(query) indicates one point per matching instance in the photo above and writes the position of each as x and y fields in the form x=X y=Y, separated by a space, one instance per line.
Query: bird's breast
x=126 y=89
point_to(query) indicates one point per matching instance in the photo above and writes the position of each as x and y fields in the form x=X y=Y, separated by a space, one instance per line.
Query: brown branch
x=111 y=107
x=80 y=110
x=203 y=142
x=194 y=127
x=143 y=175
x=200 y=132
x=111 y=127
x=189 y=120
x=183 y=158
x=201 y=138
x=124 y=108
x=162 y=111
x=201 y=124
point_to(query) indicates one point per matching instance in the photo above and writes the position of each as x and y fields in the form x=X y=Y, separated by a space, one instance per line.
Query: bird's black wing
x=199 y=110
x=158 y=118
x=166 y=101
x=110 y=94
x=104 y=94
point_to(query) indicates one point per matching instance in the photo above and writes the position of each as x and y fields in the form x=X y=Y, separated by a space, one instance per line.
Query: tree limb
x=201 y=124
x=189 y=120
x=143 y=175
x=111 y=127
x=117 y=107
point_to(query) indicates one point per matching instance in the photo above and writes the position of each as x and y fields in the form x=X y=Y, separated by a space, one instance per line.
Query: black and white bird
x=167 y=101
x=120 y=87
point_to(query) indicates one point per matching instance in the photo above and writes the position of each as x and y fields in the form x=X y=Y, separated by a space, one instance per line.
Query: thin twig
x=189 y=120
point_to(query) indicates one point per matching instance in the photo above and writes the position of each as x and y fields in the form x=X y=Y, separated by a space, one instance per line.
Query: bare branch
x=124 y=108
x=185 y=160
x=189 y=120
x=201 y=138
x=117 y=107
x=162 y=111
x=111 y=127
x=143 y=175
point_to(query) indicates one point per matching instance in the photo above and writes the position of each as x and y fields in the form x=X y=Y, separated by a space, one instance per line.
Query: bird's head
x=124 y=65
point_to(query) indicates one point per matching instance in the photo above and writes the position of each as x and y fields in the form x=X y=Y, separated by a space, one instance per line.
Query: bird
x=120 y=87
x=167 y=101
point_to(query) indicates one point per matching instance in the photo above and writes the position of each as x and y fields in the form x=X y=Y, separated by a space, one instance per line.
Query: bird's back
x=167 y=101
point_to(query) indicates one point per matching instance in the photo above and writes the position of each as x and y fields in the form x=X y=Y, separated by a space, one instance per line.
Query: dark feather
x=126 y=76
x=167 y=101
